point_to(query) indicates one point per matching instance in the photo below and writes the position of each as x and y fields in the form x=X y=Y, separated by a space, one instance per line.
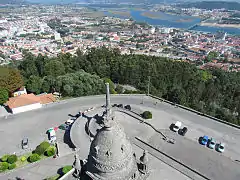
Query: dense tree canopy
x=3 y=96
x=214 y=91
x=10 y=79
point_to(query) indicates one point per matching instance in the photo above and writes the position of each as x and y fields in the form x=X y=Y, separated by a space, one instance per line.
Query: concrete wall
x=26 y=108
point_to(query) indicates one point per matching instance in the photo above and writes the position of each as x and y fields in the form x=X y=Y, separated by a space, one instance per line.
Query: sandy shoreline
x=220 y=25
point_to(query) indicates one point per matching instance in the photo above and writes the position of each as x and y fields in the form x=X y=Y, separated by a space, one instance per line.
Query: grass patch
x=55 y=177
x=22 y=160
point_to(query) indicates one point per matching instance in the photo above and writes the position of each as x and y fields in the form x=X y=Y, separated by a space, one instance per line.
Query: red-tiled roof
x=46 y=98
x=22 y=100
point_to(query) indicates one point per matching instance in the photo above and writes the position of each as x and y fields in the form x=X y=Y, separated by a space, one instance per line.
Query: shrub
x=12 y=159
x=53 y=177
x=147 y=115
x=3 y=166
x=4 y=158
x=12 y=166
x=23 y=158
x=50 y=151
x=34 y=157
x=40 y=149
x=65 y=169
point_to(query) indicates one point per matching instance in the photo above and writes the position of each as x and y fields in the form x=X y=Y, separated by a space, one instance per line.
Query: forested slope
x=214 y=92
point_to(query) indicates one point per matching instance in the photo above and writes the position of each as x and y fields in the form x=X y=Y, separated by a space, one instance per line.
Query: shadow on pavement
x=67 y=139
x=76 y=115
x=60 y=171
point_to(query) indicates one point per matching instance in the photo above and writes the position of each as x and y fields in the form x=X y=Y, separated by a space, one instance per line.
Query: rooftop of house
x=28 y=99
x=22 y=100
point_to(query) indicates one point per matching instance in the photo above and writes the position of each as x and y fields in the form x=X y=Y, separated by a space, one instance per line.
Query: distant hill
x=213 y=5
x=12 y=1
x=103 y=1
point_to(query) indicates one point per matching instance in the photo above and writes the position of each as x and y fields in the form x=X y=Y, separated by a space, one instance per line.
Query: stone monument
x=111 y=156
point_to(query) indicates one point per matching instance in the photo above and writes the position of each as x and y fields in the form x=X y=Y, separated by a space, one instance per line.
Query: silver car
x=25 y=143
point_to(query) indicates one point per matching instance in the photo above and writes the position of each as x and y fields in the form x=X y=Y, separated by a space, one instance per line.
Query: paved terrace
x=22 y=125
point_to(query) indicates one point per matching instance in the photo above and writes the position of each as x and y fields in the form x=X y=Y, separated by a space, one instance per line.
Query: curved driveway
x=33 y=124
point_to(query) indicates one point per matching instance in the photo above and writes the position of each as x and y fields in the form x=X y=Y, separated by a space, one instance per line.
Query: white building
x=153 y=29
x=57 y=36
x=22 y=103
x=20 y=91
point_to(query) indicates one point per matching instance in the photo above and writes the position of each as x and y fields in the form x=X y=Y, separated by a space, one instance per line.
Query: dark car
x=120 y=105
x=128 y=107
x=114 y=105
x=184 y=131
x=25 y=143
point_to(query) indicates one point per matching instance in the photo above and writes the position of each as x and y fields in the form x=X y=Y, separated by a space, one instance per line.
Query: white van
x=177 y=126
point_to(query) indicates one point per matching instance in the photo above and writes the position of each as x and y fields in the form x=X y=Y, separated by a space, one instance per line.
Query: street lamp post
x=148 y=85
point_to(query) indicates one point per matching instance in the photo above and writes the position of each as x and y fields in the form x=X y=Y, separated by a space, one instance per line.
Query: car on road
x=183 y=131
x=211 y=143
x=221 y=147
x=120 y=105
x=176 y=126
x=91 y=108
x=69 y=121
x=63 y=127
x=128 y=107
x=204 y=140
x=114 y=105
x=25 y=143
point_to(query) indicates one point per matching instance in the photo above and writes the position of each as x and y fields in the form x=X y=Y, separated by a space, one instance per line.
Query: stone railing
x=69 y=173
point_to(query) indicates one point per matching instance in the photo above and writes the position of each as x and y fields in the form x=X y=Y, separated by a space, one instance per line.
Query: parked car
x=114 y=105
x=69 y=121
x=204 y=140
x=128 y=107
x=63 y=127
x=211 y=143
x=25 y=143
x=220 y=147
x=120 y=105
x=176 y=126
x=91 y=108
x=183 y=131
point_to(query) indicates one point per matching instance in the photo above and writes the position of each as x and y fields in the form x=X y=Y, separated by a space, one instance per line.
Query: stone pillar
x=144 y=163
x=107 y=97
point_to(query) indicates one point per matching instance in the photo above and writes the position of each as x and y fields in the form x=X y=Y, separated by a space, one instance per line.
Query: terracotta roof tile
x=22 y=100
x=46 y=98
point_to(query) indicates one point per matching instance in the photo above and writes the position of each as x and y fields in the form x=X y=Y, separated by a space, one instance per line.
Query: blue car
x=204 y=140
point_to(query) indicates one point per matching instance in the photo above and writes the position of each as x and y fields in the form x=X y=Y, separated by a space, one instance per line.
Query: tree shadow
x=18 y=178
x=60 y=171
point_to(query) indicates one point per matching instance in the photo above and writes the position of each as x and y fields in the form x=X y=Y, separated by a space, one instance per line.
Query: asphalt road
x=34 y=124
